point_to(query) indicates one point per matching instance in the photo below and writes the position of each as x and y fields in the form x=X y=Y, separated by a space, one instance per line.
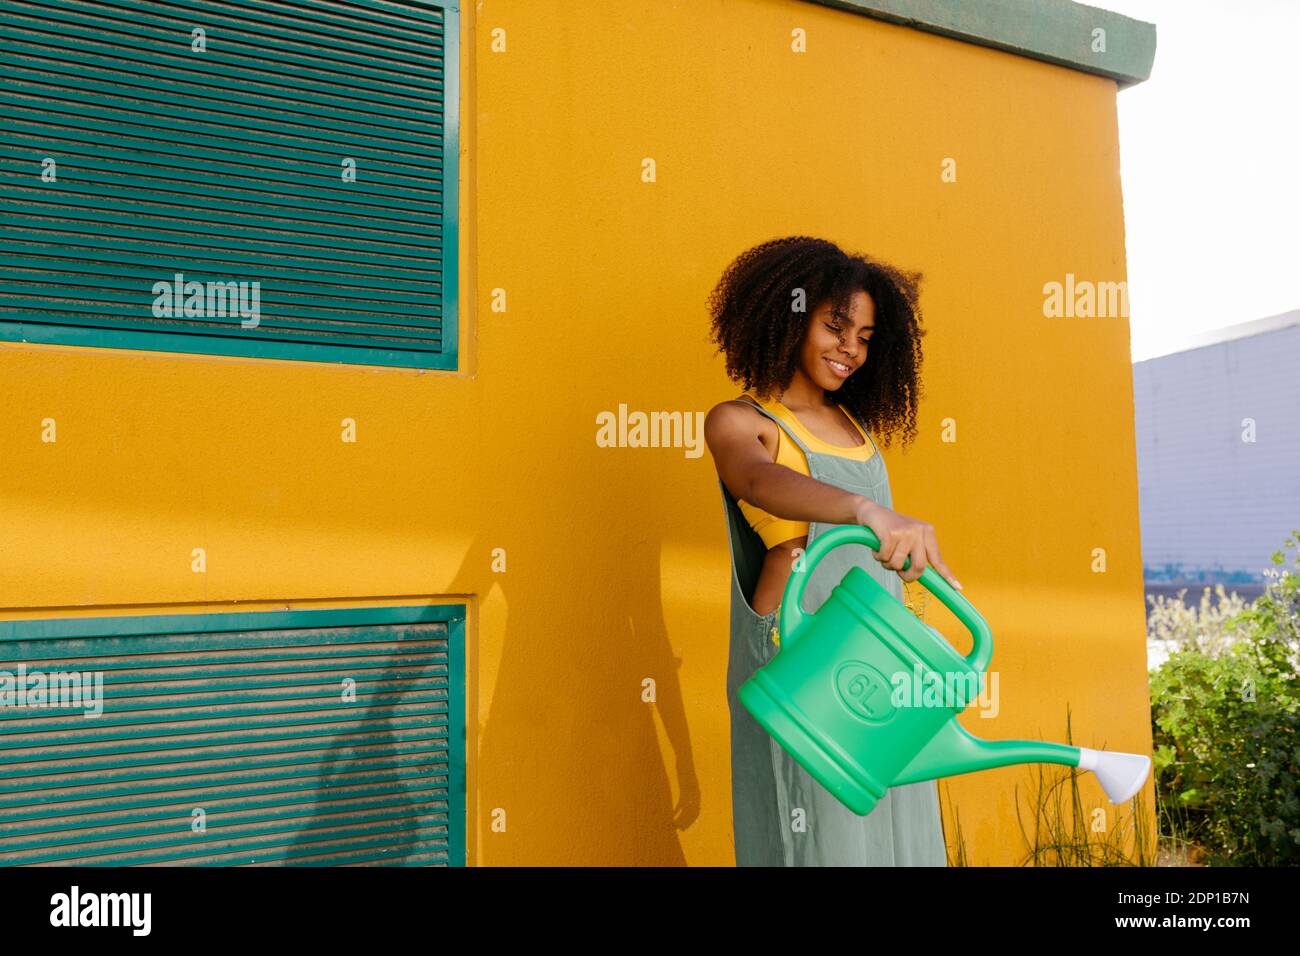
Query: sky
x=1211 y=205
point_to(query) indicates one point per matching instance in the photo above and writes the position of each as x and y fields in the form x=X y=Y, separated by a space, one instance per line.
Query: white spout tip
x=1121 y=775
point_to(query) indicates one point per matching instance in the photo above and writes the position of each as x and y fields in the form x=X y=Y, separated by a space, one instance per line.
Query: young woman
x=828 y=348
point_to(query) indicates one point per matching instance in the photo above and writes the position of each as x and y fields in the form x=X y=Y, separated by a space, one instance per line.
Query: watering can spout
x=1120 y=775
x=954 y=750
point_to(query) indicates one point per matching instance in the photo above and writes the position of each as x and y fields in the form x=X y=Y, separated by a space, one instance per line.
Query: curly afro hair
x=756 y=325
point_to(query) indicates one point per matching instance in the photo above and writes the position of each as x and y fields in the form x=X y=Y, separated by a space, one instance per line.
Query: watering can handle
x=792 y=612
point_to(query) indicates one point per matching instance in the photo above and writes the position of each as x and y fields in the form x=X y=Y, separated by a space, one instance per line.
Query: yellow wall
x=616 y=557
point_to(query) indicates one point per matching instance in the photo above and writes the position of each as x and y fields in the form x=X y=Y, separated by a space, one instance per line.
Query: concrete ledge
x=1057 y=31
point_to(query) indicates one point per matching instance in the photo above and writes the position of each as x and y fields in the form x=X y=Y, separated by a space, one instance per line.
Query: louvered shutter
x=252 y=731
x=129 y=158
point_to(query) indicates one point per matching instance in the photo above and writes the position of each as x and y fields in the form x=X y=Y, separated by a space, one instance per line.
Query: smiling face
x=832 y=352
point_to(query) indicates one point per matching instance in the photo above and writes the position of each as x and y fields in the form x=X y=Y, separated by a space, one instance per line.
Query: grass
x=1063 y=832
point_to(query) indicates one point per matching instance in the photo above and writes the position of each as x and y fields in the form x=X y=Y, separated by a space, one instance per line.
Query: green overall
x=781 y=816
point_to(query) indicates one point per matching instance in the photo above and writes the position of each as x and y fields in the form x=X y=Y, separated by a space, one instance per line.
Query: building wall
x=1218 y=457
x=615 y=560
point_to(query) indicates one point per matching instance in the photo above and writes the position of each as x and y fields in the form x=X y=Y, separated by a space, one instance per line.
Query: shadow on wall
x=569 y=755
x=365 y=800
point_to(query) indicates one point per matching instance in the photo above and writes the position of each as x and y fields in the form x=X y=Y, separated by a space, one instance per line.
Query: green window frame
x=281 y=185
x=245 y=716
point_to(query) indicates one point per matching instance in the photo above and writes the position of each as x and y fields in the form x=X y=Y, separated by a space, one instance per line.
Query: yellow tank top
x=774 y=530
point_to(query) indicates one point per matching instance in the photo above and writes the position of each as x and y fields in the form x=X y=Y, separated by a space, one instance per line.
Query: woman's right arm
x=743 y=463
x=732 y=434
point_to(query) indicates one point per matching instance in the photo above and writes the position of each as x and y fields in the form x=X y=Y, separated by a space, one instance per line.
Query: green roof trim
x=1057 y=31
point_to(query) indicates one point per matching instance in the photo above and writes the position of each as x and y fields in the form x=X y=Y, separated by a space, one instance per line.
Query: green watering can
x=828 y=698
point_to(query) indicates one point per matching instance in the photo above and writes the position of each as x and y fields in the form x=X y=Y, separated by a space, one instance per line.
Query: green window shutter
x=245 y=718
x=128 y=158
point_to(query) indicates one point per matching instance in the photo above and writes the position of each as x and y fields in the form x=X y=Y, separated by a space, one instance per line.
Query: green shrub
x=1226 y=726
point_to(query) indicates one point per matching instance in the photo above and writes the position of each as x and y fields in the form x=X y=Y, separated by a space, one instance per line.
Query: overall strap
x=857 y=421
x=784 y=427
x=795 y=438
